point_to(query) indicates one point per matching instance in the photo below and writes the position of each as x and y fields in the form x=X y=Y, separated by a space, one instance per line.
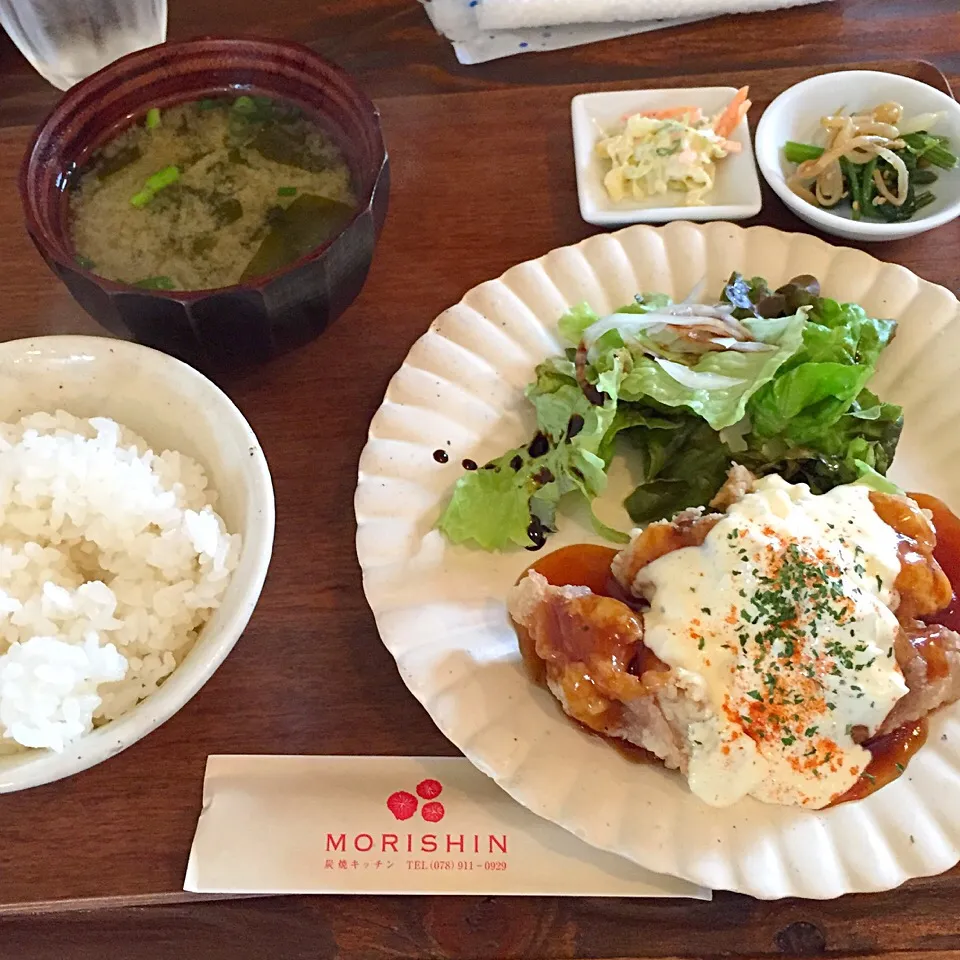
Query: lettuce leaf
x=813 y=422
x=680 y=467
x=576 y=321
x=512 y=500
x=865 y=436
x=723 y=406
x=820 y=382
x=716 y=386
x=876 y=481
x=802 y=410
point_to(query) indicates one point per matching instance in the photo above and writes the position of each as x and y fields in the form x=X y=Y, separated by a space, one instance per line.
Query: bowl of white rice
x=136 y=528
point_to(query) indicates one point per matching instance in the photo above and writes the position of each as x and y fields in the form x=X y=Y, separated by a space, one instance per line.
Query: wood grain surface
x=483 y=178
x=391 y=47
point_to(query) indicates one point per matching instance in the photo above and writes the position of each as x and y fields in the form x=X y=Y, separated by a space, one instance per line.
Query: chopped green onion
x=208 y=104
x=154 y=184
x=153 y=118
x=85 y=263
x=800 y=152
x=163 y=178
x=155 y=283
x=286 y=191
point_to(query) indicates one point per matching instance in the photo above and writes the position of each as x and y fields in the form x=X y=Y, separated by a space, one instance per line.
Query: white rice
x=111 y=560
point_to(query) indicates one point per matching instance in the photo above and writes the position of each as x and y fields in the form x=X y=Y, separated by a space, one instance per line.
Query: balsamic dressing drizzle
x=574 y=426
x=539 y=446
x=537 y=533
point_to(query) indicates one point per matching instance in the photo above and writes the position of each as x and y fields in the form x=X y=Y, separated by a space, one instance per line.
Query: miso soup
x=208 y=194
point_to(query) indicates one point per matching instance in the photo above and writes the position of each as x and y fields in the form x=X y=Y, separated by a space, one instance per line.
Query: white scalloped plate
x=440 y=608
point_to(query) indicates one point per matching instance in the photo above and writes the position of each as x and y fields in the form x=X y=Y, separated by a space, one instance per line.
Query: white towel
x=522 y=14
x=459 y=20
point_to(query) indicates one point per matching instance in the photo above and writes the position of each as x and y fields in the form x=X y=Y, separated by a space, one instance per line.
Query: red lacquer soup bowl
x=230 y=326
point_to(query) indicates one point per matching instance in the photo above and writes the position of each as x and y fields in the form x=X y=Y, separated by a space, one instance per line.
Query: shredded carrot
x=736 y=110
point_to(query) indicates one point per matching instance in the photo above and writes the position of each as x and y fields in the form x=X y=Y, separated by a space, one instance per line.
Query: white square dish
x=735 y=195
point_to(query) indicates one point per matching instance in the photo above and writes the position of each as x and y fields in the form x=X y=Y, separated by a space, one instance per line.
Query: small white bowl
x=795 y=115
x=172 y=407
x=736 y=192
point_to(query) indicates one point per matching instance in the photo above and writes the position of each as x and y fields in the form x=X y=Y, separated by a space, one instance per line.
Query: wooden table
x=92 y=867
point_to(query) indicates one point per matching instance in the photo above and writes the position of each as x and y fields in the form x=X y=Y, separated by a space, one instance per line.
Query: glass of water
x=67 y=40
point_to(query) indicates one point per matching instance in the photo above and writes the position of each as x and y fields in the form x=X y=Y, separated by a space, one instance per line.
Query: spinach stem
x=799 y=152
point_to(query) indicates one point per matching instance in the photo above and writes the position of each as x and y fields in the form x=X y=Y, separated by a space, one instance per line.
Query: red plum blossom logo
x=403 y=805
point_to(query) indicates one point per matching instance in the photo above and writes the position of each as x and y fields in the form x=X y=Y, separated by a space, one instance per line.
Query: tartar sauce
x=781 y=620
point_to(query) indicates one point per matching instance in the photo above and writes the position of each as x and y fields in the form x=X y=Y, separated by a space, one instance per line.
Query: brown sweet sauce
x=581 y=565
x=890 y=756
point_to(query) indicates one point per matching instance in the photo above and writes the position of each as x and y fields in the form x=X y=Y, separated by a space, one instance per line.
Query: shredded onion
x=627 y=324
x=738 y=346
x=801 y=190
x=713 y=319
x=921 y=122
x=696 y=379
x=680 y=328
x=720 y=311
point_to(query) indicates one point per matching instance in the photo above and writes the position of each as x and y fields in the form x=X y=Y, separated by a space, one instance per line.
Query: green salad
x=775 y=380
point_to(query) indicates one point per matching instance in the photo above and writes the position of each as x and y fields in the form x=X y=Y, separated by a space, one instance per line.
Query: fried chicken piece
x=687 y=529
x=595 y=664
x=738 y=484
x=929 y=656
x=922 y=587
